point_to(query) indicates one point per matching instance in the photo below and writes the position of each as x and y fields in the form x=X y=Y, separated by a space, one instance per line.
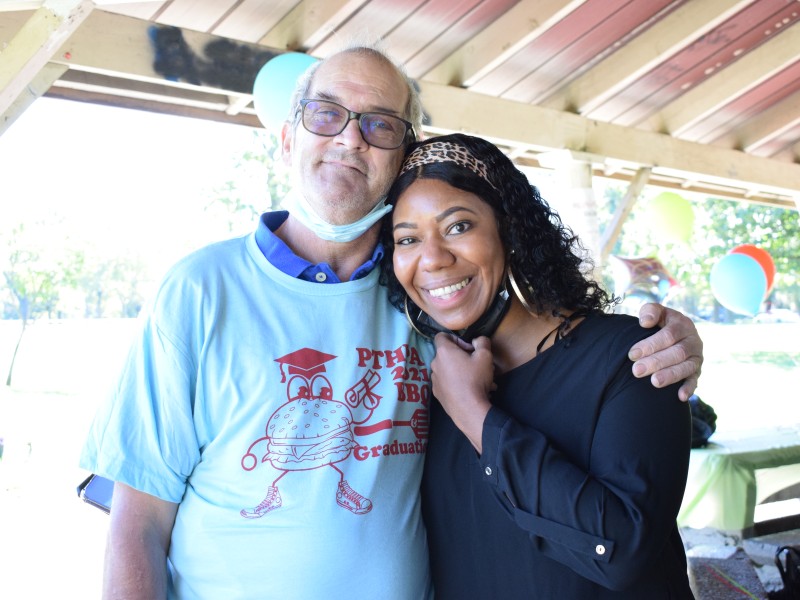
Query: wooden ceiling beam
x=17 y=5
x=769 y=124
x=729 y=83
x=519 y=26
x=33 y=46
x=205 y=98
x=141 y=9
x=118 y=47
x=36 y=88
x=135 y=103
x=197 y=16
x=309 y=23
x=455 y=109
x=669 y=35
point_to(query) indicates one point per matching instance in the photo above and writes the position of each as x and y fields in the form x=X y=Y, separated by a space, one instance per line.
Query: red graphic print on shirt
x=313 y=430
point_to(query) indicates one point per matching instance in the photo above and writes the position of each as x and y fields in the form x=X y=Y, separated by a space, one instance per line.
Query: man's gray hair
x=413 y=111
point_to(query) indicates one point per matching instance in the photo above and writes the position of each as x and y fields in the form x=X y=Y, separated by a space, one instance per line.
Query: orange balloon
x=762 y=257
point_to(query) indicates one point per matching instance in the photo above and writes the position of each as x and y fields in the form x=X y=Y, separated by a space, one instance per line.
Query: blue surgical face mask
x=299 y=207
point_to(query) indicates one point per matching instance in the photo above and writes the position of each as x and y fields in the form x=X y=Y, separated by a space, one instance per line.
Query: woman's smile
x=448 y=290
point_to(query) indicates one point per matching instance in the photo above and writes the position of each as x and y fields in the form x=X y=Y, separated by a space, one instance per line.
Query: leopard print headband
x=439 y=152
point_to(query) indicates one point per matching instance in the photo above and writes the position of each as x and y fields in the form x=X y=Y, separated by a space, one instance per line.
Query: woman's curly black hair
x=539 y=247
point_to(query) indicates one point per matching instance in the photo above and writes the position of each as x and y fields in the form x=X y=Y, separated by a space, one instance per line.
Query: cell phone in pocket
x=97 y=491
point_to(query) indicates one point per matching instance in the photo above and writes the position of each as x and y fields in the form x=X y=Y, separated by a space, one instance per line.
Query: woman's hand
x=463 y=377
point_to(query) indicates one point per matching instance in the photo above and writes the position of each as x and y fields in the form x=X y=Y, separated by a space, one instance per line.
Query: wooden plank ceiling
x=703 y=93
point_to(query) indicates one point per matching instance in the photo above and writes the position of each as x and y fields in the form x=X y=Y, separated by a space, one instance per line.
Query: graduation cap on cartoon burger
x=306 y=362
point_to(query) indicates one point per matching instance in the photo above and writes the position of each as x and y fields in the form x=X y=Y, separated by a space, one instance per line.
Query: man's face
x=342 y=176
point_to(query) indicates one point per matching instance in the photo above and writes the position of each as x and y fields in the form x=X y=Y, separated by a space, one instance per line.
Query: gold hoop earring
x=518 y=291
x=412 y=322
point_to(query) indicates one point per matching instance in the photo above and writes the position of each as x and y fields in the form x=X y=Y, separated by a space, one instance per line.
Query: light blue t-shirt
x=288 y=419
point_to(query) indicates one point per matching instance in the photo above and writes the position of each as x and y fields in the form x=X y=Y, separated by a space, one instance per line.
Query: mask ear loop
x=413 y=322
x=517 y=290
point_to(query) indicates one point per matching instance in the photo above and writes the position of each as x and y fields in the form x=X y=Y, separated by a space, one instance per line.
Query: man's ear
x=286 y=143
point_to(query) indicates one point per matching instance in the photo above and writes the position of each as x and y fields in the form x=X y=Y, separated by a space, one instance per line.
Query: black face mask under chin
x=485 y=326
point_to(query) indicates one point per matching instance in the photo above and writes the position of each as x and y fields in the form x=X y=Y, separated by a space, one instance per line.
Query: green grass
x=778 y=360
x=751 y=374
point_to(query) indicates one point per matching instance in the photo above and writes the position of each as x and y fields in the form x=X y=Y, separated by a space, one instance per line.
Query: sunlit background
x=144 y=189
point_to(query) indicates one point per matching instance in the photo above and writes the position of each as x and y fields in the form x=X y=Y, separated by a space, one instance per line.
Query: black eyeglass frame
x=408 y=136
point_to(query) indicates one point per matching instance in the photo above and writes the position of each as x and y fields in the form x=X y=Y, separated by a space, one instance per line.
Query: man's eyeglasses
x=328 y=119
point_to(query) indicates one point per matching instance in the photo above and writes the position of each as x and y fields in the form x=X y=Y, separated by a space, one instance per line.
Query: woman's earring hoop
x=411 y=320
x=517 y=291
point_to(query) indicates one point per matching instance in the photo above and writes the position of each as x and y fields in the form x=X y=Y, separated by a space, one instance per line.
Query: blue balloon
x=738 y=283
x=274 y=85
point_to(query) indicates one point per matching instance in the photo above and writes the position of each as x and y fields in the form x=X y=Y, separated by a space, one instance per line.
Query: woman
x=551 y=471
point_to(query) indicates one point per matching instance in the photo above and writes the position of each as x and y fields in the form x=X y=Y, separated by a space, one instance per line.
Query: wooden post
x=32 y=48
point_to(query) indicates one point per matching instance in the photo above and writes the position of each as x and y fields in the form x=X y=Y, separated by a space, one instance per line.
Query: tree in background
x=127 y=277
x=776 y=230
x=260 y=185
x=34 y=273
x=47 y=273
x=720 y=225
x=117 y=279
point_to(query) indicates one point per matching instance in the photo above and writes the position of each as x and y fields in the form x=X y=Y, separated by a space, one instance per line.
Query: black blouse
x=580 y=481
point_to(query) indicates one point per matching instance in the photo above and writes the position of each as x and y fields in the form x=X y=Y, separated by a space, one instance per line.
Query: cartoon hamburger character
x=311 y=430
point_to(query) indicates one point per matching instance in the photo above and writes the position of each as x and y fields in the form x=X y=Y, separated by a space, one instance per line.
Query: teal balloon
x=738 y=283
x=274 y=85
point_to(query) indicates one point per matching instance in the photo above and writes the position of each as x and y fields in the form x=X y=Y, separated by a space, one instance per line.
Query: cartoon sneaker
x=271 y=502
x=348 y=498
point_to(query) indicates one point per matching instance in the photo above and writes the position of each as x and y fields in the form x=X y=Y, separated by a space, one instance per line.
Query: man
x=268 y=432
